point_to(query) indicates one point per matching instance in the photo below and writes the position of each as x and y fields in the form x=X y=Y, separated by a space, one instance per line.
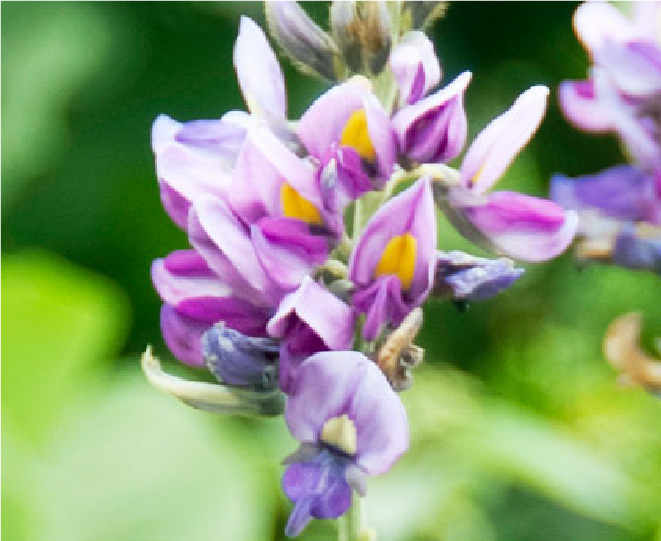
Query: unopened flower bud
x=307 y=44
x=362 y=32
x=237 y=359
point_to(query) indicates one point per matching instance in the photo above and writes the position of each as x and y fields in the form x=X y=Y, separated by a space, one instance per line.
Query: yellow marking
x=476 y=176
x=340 y=432
x=356 y=135
x=294 y=205
x=398 y=258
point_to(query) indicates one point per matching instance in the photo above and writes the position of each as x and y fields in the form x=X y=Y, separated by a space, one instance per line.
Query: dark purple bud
x=237 y=359
x=460 y=276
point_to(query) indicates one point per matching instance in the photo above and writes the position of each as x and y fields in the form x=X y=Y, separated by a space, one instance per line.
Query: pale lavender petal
x=581 y=105
x=336 y=383
x=258 y=71
x=497 y=145
x=222 y=137
x=622 y=192
x=183 y=336
x=330 y=318
x=634 y=67
x=186 y=169
x=646 y=17
x=410 y=212
x=434 y=129
x=224 y=242
x=519 y=226
x=381 y=135
x=596 y=23
x=415 y=66
x=287 y=250
x=327 y=382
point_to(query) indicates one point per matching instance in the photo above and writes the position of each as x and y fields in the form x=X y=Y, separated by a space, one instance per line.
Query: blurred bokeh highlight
x=519 y=429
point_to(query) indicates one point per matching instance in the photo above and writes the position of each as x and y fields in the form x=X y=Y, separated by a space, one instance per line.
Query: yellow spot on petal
x=398 y=258
x=357 y=136
x=340 y=432
x=294 y=205
x=476 y=176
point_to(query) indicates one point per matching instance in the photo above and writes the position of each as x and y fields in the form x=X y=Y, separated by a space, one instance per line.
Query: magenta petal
x=434 y=129
x=330 y=318
x=183 y=335
x=415 y=66
x=411 y=211
x=287 y=251
x=177 y=283
x=496 y=146
x=581 y=105
x=258 y=71
x=521 y=227
x=597 y=23
x=336 y=383
x=383 y=304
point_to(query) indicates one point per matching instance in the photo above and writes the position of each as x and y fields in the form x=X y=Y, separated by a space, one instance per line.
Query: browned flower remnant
x=622 y=350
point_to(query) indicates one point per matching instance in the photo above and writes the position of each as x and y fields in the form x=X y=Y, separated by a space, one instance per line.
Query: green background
x=519 y=431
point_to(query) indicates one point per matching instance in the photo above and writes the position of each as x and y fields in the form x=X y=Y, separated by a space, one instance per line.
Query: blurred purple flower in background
x=620 y=208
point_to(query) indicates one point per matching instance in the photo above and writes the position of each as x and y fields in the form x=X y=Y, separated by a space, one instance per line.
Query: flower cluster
x=620 y=207
x=314 y=242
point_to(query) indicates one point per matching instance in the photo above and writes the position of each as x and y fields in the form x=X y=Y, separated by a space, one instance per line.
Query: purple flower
x=350 y=423
x=269 y=179
x=309 y=320
x=520 y=226
x=462 y=277
x=620 y=211
x=414 y=64
x=434 y=129
x=348 y=129
x=623 y=93
x=392 y=264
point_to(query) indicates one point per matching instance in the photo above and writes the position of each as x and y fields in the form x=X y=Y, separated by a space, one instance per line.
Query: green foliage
x=518 y=428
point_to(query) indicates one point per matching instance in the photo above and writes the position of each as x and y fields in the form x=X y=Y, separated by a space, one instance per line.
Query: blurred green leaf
x=48 y=52
x=60 y=323
x=128 y=463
